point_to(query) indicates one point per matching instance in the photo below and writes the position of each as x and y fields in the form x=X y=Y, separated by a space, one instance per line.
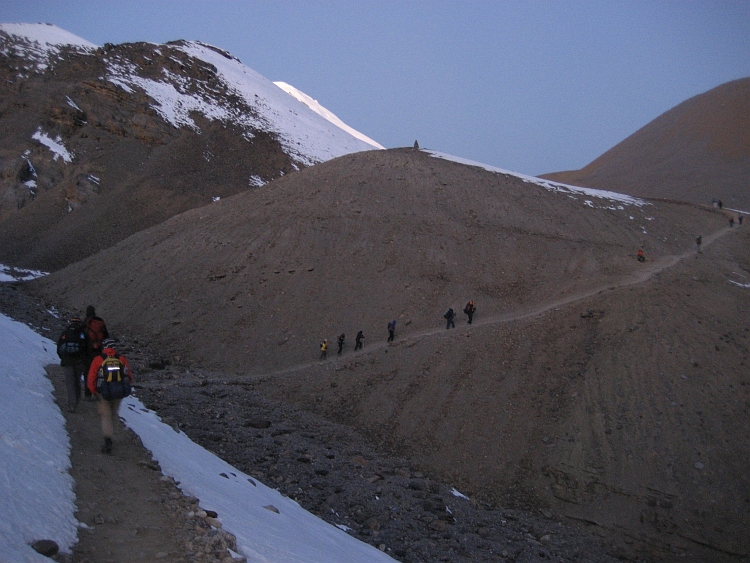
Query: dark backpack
x=448 y=314
x=112 y=381
x=72 y=343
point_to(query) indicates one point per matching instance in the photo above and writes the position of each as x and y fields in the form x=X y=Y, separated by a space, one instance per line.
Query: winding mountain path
x=640 y=276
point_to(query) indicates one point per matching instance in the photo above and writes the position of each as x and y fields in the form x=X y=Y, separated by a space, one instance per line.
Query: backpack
x=112 y=381
x=95 y=330
x=72 y=343
x=448 y=314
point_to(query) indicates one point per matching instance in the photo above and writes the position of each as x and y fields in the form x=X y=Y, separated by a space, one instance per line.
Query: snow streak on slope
x=329 y=115
x=547 y=184
x=41 y=42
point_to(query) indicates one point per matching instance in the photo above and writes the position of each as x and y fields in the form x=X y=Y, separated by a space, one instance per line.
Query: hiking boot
x=107 y=447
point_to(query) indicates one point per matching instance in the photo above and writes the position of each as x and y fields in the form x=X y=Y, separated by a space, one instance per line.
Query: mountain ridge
x=125 y=136
x=698 y=151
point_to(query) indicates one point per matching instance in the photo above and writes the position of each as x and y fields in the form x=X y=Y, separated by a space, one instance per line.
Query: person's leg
x=71 y=381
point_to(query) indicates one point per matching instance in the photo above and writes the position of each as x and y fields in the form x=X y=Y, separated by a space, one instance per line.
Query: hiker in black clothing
x=391 y=330
x=731 y=222
x=469 y=310
x=72 y=347
x=698 y=241
x=358 y=341
x=739 y=218
x=450 y=316
x=721 y=204
x=342 y=337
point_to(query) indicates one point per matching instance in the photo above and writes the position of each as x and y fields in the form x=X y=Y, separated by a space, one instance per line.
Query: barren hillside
x=697 y=151
x=607 y=390
x=100 y=143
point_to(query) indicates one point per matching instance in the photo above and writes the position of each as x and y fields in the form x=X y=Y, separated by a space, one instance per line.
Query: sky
x=529 y=86
x=38 y=491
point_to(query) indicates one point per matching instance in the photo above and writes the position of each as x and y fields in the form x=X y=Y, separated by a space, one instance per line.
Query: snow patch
x=11 y=274
x=37 y=490
x=55 y=145
x=551 y=186
x=327 y=114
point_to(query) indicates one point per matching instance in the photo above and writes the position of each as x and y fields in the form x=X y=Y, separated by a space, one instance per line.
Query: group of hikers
x=449 y=316
x=88 y=353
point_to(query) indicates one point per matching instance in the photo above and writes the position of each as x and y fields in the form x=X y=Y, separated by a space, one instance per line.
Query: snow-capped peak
x=40 y=41
x=329 y=115
x=45 y=35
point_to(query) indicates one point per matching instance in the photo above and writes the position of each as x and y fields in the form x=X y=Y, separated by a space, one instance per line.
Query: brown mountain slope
x=610 y=391
x=130 y=168
x=697 y=151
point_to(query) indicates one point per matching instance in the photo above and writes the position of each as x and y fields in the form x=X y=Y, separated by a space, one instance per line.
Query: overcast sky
x=530 y=86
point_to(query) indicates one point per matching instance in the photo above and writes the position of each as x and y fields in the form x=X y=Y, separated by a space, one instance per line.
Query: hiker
x=97 y=332
x=721 y=205
x=109 y=379
x=358 y=341
x=391 y=330
x=641 y=257
x=323 y=349
x=342 y=337
x=739 y=218
x=450 y=316
x=731 y=222
x=698 y=242
x=72 y=349
x=469 y=310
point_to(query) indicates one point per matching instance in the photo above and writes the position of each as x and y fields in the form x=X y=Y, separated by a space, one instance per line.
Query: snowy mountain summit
x=229 y=92
x=159 y=128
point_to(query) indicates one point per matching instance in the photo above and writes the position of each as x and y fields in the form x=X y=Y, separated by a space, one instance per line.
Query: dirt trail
x=641 y=276
x=130 y=512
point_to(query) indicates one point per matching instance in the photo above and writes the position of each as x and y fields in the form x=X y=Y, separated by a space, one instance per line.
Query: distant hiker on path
x=641 y=257
x=469 y=310
x=698 y=241
x=72 y=347
x=731 y=222
x=391 y=330
x=323 y=349
x=739 y=218
x=109 y=379
x=450 y=316
x=342 y=337
x=97 y=332
x=358 y=341
x=721 y=205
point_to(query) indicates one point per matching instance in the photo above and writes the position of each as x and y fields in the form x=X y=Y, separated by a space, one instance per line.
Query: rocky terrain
x=99 y=143
x=328 y=468
x=698 y=151
x=597 y=407
x=592 y=386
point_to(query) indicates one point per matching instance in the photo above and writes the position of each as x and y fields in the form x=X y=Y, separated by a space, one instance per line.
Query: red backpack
x=97 y=332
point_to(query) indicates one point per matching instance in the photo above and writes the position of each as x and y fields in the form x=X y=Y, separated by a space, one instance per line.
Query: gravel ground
x=328 y=469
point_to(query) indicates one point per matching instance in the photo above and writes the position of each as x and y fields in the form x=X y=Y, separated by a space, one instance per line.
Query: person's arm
x=128 y=371
x=93 y=369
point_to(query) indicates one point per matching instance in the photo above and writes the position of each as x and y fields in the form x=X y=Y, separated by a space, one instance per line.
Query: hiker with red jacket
x=109 y=379
x=97 y=332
